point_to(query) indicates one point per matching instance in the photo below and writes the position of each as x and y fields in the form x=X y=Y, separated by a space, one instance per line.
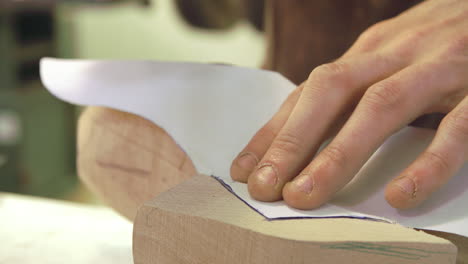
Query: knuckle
x=437 y=159
x=335 y=155
x=401 y=50
x=286 y=143
x=416 y=34
x=405 y=46
x=384 y=96
x=457 y=122
x=457 y=45
x=370 y=38
x=330 y=75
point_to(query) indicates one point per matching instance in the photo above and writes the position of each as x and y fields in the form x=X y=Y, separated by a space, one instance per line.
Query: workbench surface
x=36 y=230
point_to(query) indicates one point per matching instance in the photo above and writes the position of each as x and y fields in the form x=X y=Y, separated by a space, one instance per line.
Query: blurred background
x=37 y=131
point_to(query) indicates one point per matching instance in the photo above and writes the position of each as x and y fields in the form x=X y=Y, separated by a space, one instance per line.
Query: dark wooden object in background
x=304 y=34
x=301 y=34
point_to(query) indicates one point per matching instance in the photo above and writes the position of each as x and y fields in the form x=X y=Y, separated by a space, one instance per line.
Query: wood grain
x=127 y=160
x=199 y=221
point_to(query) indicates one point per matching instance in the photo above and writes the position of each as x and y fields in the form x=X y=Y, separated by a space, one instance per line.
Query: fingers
x=249 y=157
x=328 y=93
x=442 y=159
x=385 y=107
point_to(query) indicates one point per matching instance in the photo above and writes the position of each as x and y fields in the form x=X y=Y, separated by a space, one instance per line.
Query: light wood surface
x=127 y=160
x=199 y=221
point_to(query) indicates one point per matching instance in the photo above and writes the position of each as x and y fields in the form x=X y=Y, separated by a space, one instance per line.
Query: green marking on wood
x=385 y=250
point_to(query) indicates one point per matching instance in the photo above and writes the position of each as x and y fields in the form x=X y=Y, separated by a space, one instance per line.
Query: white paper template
x=213 y=110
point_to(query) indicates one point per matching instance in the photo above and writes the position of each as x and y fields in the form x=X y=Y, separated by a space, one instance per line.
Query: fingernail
x=247 y=161
x=406 y=185
x=266 y=175
x=304 y=184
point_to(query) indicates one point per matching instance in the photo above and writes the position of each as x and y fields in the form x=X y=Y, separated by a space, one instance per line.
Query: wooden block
x=126 y=159
x=199 y=221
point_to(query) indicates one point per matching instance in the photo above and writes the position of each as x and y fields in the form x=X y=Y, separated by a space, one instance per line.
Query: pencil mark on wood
x=135 y=171
x=129 y=139
x=148 y=218
x=161 y=136
x=385 y=250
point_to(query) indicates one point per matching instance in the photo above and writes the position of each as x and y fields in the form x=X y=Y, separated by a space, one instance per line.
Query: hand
x=399 y=69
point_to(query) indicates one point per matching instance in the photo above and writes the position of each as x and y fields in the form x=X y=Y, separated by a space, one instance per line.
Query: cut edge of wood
x=196 y=210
